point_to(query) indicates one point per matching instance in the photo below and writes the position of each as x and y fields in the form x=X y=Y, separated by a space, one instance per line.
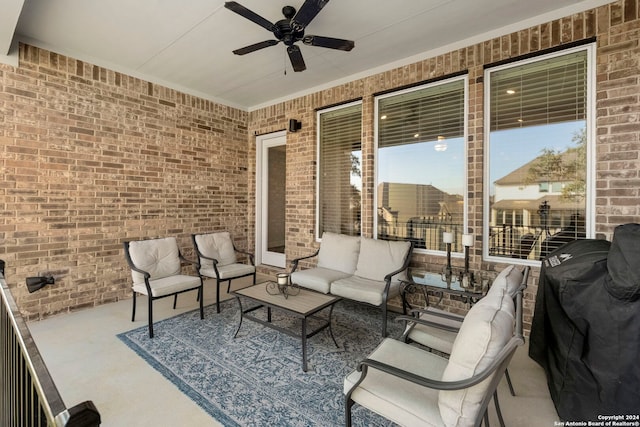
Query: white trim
x=591 y=143
x=318 y=237
x=263 y=142
x=465 y=221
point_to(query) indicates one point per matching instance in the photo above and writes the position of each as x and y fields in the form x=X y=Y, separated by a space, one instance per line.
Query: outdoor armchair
x=156 y=266
x=414 y=387
x=217 y=259
x=437 y=329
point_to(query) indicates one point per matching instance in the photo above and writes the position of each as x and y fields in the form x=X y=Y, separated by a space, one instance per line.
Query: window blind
x=339 y=152
x=545 y=92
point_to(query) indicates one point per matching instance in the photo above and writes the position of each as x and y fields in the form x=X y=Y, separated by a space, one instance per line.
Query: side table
x=437 y=284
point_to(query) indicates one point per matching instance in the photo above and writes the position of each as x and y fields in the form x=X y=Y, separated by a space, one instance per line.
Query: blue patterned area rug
x=256 y=379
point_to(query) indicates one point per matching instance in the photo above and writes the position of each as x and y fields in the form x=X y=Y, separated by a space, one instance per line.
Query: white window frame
x=590 y=115
x=318 y=234
x=465 y=195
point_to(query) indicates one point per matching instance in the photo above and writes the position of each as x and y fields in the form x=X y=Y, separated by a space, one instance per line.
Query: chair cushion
x=339 y=252
x=168 y=285
x=158 y=257
x=508 y=280
x=398 y=400
x=318 y=279
x=217 y=246
x=229 y=271
x=486 y=329
x=380 y=257
x=363 y=290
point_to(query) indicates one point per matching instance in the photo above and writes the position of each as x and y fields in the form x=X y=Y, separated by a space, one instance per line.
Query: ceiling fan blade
x=306 y=13
x=254 y=47
x=330 y=42
x=296 y=58
x=250 y=15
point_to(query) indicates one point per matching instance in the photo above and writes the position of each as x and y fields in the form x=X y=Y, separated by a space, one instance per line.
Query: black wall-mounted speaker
x=294 y=125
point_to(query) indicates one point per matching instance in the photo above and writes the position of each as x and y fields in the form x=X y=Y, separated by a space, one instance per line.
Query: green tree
x=568 y=167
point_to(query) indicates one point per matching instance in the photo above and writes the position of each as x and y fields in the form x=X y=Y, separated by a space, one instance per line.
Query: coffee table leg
x=241 y=316
x=331 y=330
x=304 y=344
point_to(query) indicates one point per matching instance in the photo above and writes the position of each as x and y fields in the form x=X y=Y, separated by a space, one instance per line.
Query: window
x=339 y=178
x=538 y=142
x=421 y=164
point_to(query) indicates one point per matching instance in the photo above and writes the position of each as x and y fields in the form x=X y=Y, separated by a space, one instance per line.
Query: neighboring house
x=533 y=212
x=408 y=210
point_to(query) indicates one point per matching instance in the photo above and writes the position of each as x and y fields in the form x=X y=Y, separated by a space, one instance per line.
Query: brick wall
x=90 y=158
x=617 y=31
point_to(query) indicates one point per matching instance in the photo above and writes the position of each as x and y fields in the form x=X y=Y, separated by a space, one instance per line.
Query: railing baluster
x=29 y=397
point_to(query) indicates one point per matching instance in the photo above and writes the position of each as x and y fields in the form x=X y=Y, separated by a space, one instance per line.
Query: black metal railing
x=425 y=233
x=28 y=395
x=522 y=242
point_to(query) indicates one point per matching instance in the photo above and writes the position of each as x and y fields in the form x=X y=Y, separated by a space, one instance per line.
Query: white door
x=271 y=161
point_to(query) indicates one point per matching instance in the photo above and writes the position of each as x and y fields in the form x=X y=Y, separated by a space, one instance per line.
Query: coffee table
x=304 y=305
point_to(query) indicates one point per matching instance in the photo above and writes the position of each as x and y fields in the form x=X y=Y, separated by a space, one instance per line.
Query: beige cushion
x=486 y=329
x=363 y=290
x=318 y=279
x=339 y=252
x=380 y=257
x=217 y=246
x=398 y=400
x=168 y=285
x=509 y=280
x=229 y=271
x=158 y=257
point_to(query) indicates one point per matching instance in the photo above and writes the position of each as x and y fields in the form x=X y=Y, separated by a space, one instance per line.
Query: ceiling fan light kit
x=290 y=30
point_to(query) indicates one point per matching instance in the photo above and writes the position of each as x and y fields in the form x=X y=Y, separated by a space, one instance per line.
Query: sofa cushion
x=339 y=252
x=508 y=281
x=363 y=290
x=380 y=257
x=318 y=279
x=486 y=329
x=218 y=246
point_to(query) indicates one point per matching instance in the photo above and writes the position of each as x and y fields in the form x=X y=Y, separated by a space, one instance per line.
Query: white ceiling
x=187 y=44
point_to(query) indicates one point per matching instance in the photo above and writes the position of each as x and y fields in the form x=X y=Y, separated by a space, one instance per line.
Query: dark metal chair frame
x=215 y=267
x=499 y=364
x=151 y=298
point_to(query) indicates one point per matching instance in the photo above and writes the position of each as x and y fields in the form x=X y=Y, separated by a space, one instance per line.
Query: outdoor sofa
x=356 y=268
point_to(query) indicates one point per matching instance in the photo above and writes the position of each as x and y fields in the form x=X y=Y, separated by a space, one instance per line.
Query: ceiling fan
x=290 y=30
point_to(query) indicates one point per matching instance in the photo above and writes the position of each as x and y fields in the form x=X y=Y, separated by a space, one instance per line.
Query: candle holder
x=283 y=286
x=447 y=238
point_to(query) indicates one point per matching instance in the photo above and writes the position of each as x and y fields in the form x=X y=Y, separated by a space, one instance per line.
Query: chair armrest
x=294 y=262
x=503 y=357
x=127 y=255
x=405 y=266
x=249 y=254
x=447 y=316
x=186 y=260
x=418 y=321
x=196 y=264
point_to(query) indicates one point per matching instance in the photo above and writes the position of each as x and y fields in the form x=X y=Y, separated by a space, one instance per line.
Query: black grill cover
x=586 y=326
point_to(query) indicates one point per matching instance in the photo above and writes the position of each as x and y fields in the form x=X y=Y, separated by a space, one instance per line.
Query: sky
x=419 y=163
